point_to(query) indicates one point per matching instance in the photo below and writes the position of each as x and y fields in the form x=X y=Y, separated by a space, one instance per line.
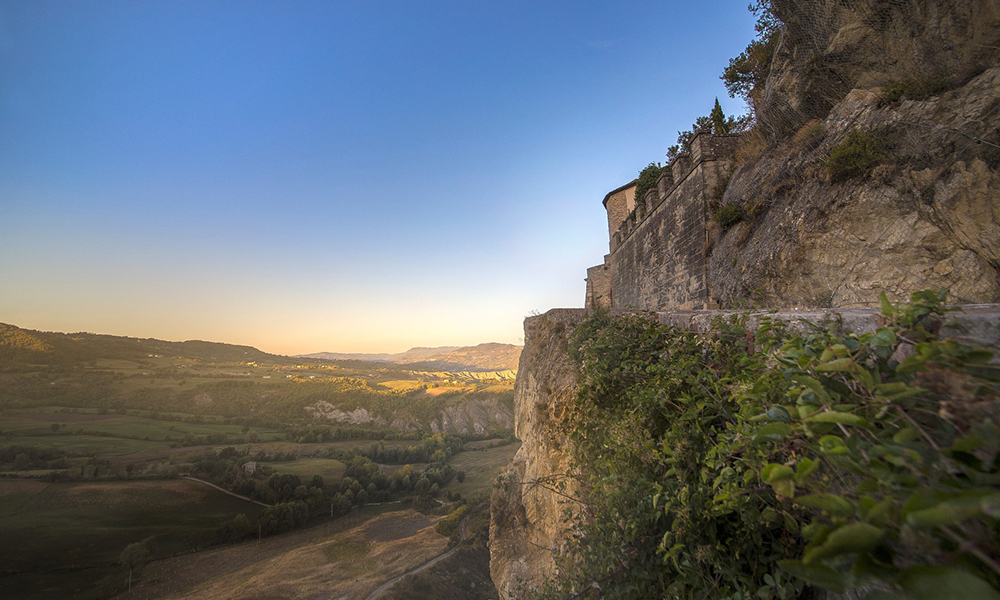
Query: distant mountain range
x=29 y=347
x=490 y=356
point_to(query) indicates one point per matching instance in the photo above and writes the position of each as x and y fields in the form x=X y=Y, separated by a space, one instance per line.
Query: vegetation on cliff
x=741 y=465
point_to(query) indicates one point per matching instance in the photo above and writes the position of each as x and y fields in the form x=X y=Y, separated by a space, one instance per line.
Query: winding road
x=385 y=586
x=225 y=491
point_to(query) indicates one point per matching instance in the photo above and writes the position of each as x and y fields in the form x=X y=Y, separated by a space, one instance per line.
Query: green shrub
x=448 y=525
x=857 y=155
x=647 y=180
x=810 y=134
x=821 y=458
x=914 y=89
x=728 y=215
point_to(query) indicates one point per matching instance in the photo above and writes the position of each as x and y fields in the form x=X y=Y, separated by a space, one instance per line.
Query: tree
x=746 y=74
x=647 y=180
x=54 y=427
x=719 y=124
x=134 y=556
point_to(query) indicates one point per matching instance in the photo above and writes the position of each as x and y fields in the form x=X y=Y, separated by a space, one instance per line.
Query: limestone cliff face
x=928 y=216
x=830 y=47
x=526 y=527
x=475 y=415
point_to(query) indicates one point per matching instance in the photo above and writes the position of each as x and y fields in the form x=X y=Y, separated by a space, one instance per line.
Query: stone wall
x=599 y=285
x=658 y=249
x=619 y=203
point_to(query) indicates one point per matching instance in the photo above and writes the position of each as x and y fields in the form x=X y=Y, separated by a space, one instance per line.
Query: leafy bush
x=671 y=508
x=746 y=74
x=717 y=468
x=728 y=215
x=647 y=180
x=896 y=455
x=810 y=134
x=914 y=89
x=857 y=155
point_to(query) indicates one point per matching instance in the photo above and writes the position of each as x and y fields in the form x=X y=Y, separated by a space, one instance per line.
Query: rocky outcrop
x=830 y=47
x=465 y=416
x=531 y=497
x=927 y=217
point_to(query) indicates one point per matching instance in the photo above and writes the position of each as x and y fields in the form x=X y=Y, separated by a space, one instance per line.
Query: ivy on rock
x=764 y=466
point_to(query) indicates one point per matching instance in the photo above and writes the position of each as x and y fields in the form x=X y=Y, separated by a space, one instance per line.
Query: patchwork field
x=481 y=468
x=40 y=422
x=329 y=469
x=80 y=529
x=346 y=558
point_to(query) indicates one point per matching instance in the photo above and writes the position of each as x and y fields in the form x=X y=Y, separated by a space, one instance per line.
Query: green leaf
x=906 y=435
x=945 y=583
x=773 y=473
x=887 y=308
x=819 y=575
x=855 y=537
x=816 y=532
x=814 y=385
x=779 y=413
x=805 y=468
x=946 y=513
x=831 y=444
x=772 y=432
x=784 y=488
x=838 y=417
x=846 y=365
x=884 y=337
x=831 y=503
x=879 y=511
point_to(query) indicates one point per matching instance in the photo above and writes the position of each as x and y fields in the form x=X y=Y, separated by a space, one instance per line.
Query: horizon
x=297 y=354
x=343 y=177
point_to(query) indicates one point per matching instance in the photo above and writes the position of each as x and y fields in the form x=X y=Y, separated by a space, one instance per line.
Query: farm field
x=80 y=529
x=28 y=422
x=87 y=445
x=93 y=449
x=345 y=558
x=481 y=468
x=329 y=469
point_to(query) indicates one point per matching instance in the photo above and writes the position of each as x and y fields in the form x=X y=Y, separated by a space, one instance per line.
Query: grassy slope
x=347 y=557
x=481 y=468
x=80 y=529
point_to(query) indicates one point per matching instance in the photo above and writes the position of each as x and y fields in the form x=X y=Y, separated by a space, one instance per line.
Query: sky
x=361 y=176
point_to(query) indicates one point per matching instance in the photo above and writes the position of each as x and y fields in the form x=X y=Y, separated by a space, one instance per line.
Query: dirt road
x=385 y=586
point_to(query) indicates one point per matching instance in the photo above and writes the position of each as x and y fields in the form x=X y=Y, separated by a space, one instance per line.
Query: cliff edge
x=528 y=502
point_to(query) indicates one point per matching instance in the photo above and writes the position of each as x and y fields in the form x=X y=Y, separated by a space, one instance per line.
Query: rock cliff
x=926 y=216
x=526 y=527
x=830 y=47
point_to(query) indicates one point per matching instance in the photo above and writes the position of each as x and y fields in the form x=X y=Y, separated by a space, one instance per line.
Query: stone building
x=659 y=243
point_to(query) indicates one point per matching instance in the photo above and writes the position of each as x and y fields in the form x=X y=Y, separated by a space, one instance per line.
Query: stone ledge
x=977 y=324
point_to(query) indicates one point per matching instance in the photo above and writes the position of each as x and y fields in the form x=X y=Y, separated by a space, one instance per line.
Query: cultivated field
x=346 y=558
x=481 y=468
x=75 y=532
x=329 y=469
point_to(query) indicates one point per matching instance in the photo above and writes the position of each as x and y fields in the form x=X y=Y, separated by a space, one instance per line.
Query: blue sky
x=345 y=176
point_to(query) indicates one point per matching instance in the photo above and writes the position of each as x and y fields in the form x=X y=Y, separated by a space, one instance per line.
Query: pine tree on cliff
x=720 y=125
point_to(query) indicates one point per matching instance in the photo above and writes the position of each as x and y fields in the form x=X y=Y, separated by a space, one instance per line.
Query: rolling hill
x=30 y=347
x=490 y=356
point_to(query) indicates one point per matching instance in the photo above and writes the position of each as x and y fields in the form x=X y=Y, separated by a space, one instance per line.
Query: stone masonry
x=659 y=242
